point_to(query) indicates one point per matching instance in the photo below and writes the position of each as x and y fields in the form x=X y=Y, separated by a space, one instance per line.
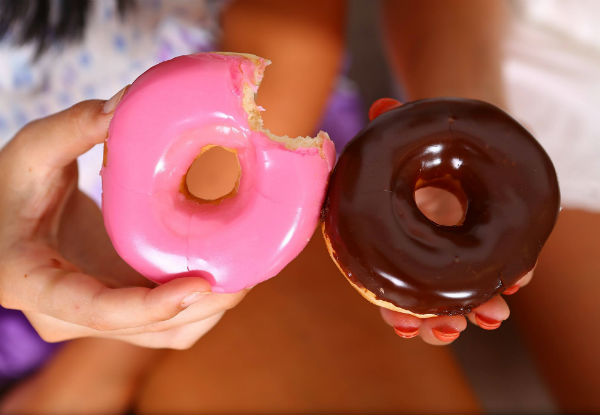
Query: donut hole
x=442 y=206
x=213 y=175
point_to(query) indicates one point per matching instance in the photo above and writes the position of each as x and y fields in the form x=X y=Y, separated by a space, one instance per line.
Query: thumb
x=57 y=140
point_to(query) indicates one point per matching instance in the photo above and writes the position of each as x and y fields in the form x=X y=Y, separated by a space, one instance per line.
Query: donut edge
x=367 y=295
x=255 y=121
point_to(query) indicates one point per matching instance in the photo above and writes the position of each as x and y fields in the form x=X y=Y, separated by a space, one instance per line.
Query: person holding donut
x=184 y=310
x=58 y=265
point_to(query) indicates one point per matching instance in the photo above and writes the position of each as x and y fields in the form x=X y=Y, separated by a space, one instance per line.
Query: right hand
x=39 y=203
x=441 y=330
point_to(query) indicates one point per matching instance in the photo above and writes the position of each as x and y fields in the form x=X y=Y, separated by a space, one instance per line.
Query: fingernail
x=111 y=104
x=511 y=290
x=406 y=332
x=190 y=299
x=445 y=334
x=487 y=323
x=382 y=105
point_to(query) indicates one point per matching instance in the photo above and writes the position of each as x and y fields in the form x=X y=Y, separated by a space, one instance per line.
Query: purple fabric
x=344 y=116
x=21 y=349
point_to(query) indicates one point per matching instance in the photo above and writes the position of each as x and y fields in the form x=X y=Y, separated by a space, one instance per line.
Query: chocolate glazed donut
x=384 y=244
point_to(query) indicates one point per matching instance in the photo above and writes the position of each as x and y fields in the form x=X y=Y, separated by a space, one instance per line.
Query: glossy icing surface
x=167 y=116
x=384 y=243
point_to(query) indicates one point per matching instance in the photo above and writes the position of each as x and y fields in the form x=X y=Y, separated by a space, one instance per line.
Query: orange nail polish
x=382 y=105
x=406 y=332
x=487 y=323
x=511 y=290
x=445 y=334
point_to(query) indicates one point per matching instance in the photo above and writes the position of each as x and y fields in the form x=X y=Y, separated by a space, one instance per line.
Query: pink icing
x=167 y=116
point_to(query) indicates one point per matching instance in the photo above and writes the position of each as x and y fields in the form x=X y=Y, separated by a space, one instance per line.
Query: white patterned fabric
x=113 y=52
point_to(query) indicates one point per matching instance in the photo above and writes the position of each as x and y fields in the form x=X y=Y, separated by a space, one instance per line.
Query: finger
x=179 y=338
x=182 y=337
x=57 y=140
x=53 y=330
x=405 y=325
x=206 y=307
x=525 y=279
x=490 y=315
x=442 y=330
x=53 y=289
x=382 y=105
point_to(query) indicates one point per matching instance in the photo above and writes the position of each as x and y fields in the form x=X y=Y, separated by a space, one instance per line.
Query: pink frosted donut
x=172 y=114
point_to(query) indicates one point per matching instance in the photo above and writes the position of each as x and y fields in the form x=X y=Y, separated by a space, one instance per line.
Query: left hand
x=56 y=262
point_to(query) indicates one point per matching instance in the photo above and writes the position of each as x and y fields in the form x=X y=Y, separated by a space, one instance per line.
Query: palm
x=83 y=241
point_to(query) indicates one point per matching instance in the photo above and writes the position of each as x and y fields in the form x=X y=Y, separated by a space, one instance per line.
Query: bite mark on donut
x=199 y=192
x=255 y=121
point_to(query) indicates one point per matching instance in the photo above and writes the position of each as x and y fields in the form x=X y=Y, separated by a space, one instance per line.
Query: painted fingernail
x=111 y=104
x=382 y=105
x=190 y=299
x=406 y=332
x=511 y=290
x=445 y=334
x=487 y=323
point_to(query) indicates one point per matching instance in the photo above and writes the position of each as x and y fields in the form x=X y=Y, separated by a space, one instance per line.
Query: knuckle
x=156 y=327
x=27 y=130
x=7 y=300
x=3 y=296
x=182 y=338
x=182 y=343
x=52 y=336
x=156 y=312
x=234 y=300
x=159 y=315
x=77 y=116
x=100 y=323
x=179 y=346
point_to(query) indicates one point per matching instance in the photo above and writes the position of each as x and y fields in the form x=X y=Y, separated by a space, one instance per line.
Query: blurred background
x=304 y=341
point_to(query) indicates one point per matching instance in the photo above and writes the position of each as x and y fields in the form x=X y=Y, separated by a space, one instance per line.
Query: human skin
x=558 y=314
x=305 y=41
x=446 y=48
x=91 y=376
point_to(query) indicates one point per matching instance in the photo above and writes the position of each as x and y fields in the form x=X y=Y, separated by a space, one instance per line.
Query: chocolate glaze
x=384 y=243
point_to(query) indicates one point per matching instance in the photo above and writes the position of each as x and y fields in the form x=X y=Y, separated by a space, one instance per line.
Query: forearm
x=304 y=40
x=446 y=48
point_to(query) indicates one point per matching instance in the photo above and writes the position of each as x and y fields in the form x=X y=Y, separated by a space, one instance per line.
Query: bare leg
x=304 y=40
x=86 y=376
x=559 y=312
x=301 y=342
x=90 y=375
x=446 y=48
